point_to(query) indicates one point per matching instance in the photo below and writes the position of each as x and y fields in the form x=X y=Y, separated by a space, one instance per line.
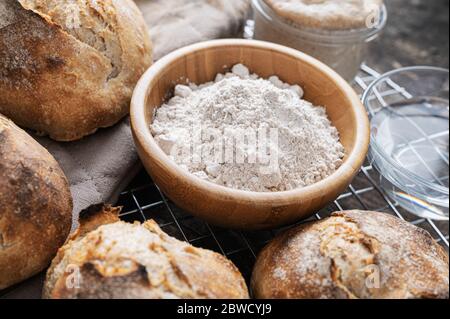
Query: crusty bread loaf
x=35 y=206
x=109 y=259
x=353 y=254
x=69 y=67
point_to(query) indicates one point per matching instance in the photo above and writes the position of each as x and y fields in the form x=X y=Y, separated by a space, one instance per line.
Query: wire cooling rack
x=143 y=200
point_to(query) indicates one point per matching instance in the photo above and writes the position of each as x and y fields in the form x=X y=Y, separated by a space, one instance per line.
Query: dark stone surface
x=417 y=33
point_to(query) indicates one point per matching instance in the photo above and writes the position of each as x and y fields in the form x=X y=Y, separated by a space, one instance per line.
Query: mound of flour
x=248 y=133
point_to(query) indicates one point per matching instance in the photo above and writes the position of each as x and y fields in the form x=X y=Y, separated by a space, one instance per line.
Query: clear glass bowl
x=409 y=113
x=342 y=50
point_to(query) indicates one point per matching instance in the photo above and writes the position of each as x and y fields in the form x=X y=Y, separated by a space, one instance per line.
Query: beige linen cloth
x=100 y=166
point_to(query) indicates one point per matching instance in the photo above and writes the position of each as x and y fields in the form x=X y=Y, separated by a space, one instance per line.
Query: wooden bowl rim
x=143 y=136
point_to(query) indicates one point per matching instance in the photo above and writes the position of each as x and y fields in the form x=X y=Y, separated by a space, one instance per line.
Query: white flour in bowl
x=248 y=133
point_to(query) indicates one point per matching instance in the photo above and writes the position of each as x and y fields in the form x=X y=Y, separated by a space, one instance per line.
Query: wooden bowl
x=232 y=208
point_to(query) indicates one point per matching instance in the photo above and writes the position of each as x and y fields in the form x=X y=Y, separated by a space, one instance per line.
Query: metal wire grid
x=143 y=200
x=437 y=139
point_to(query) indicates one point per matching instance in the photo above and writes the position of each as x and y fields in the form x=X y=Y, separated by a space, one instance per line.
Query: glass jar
x=342 y=50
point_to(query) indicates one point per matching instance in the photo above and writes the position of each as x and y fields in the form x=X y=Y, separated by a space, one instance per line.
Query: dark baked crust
x=134 y=285
x=107 y=269
x=60 y=86
x=336 y=257
x=95 y=216
x=35 y=205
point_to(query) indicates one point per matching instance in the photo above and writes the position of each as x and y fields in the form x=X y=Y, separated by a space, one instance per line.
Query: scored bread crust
x=35 y=206
x=110 y=259
x=353 y=254
x=68 y=68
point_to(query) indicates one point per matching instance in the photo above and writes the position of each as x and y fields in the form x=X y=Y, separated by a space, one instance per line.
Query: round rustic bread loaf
x=110 y=259
x=69 y=67
x=353 y=254
x=35 y=206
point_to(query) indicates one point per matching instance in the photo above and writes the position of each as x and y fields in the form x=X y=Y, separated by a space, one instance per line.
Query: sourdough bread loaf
x=69 y=67
x=35 y=206
x=110 y=259
x=353 y=254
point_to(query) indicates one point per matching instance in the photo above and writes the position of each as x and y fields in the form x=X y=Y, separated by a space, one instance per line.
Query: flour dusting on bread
x=91 y=22
x=353 y=254
x=122 y=260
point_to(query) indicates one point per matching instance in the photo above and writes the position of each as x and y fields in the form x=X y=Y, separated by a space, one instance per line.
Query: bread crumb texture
x=122 y=260
x=353 y=255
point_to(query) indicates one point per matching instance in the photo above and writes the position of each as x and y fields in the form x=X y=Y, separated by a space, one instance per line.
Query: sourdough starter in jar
x=335 y=32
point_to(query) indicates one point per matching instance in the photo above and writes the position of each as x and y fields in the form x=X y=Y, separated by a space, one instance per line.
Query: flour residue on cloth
x=248 y=133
